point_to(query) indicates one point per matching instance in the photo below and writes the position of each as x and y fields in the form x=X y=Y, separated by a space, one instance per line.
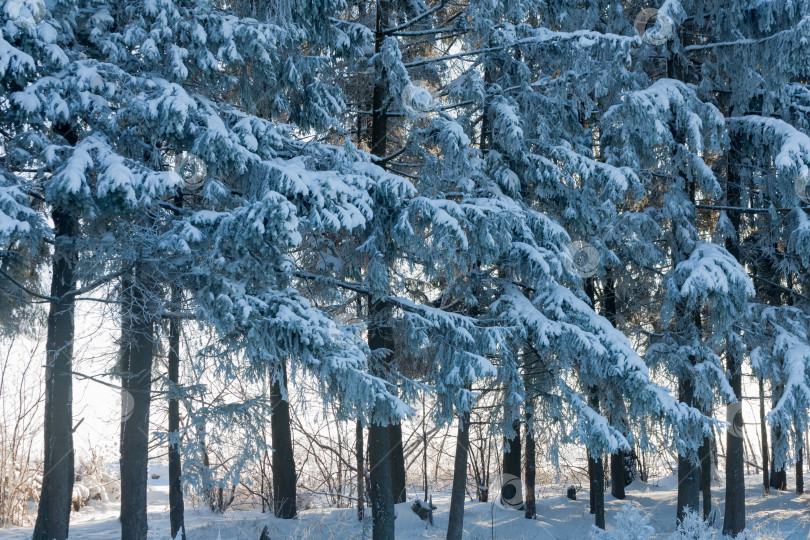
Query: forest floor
x=783 y=515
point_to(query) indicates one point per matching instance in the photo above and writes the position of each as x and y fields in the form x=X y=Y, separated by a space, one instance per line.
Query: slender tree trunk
x=617 y=475
x=361 y=480
x=382 y=499
x=53 y=513
x=531 y=458
x=705 y=457
x=734 y=521
x=137 y=354
x=512 y=466
x=397 y=463
x=176 y=509
x=455 y=524
x=597 y=477
x=617 y=459
x=380 y=489
x=800 y=470
x=766 y=487
x=688 y=470
x=778 y=474
x=284 y=480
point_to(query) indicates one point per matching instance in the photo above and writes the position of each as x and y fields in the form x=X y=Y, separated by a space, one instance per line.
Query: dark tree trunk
x=617 y=484
x=53 y=513
x=734 y=521
x=778 y=474
x=382 y=499
x=176 y=509
x=361 y=480
x=766 y=488
x=137 y=354
x=688 y=469
x=284 y=480
x=380 y=489
x=397 y=463
x=596 y=470
x=617 y=459
x=705 y=457
x=512 y=465
x=531 y=467
x=800 y=469
x=455 y=524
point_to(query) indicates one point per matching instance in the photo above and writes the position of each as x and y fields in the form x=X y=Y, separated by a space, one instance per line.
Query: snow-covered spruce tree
x=475 y=205
x=683 y=131
x=748 y=58
x=123 y=71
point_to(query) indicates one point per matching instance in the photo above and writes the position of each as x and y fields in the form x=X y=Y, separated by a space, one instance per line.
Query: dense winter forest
x=342 y=268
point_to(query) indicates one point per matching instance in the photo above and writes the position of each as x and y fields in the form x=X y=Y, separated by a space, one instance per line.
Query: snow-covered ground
x=782 y=515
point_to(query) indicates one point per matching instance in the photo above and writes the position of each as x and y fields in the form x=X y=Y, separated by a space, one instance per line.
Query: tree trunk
x=455 y=524
x=778 y=474
x=766 y=488
x=382 y=499
x=531 y=458
x=688 y=470
x=800 y=470
x=137 y=336
x=284 y=480
x=734 y=521
x=361 y=480
x=53 y=512
x=617 y=484
x=397 y=463
x=176 y=509
x=705 y=456
x=380 y=488
x=597 y=477
x=511 y=467
x=617 y=459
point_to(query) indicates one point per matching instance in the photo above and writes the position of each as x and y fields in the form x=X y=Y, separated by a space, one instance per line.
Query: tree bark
x=53 y=512
x=512 y=465
x=766 y=488
x=705 y=455
x=361 y=480
x=397 y=463
x=617 y=475
x=778 y=475
x=688 y=471
x=137 y=355
x=284 y=480
x=734 y=520
x=597 y=477
x=382 y=499
x=380 y=487
x=176 y=508
x=455 y=524
x=531 y=458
